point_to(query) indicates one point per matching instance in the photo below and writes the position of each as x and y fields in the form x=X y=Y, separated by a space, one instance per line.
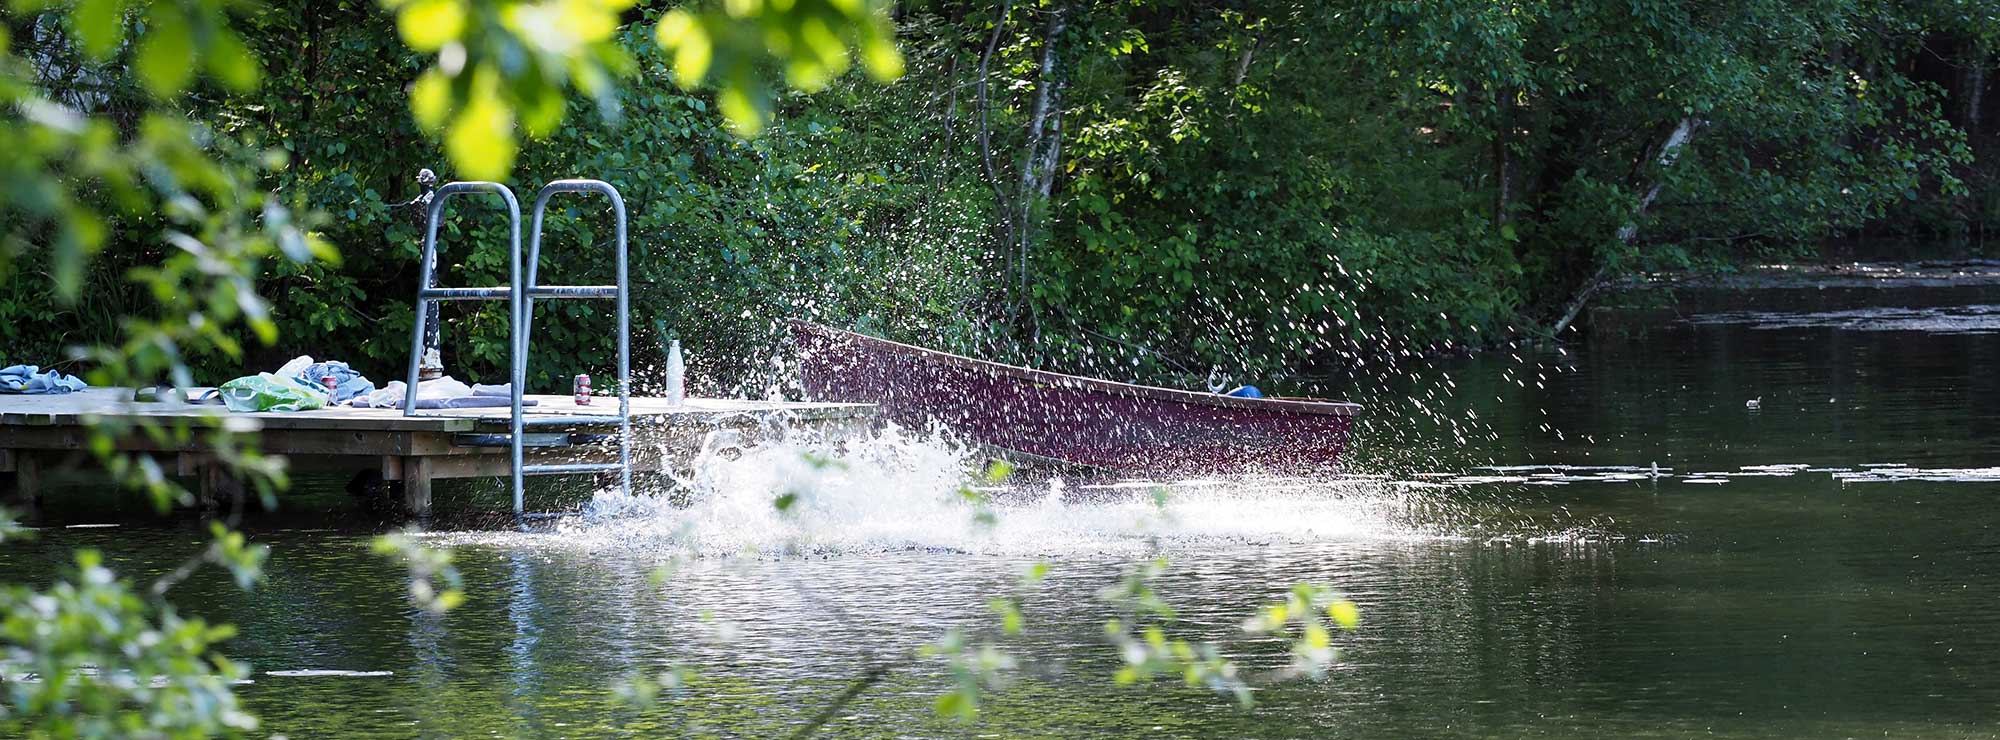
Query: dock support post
x=27 y=491
x=213 y=485
x=417 y=486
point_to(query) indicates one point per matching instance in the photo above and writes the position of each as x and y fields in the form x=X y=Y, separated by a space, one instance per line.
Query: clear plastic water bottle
x=676 y=375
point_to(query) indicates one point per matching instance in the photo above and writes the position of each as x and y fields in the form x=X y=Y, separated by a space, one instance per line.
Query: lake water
x=1825 y=565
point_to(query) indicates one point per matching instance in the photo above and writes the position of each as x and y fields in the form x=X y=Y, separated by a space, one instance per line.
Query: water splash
x=896 y=490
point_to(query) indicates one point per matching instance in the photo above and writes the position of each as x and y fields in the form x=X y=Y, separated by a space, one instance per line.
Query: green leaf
x=232 y=63
x=1035 y=574
x=100 y=25
x=998 y=470
x=165 y=52
x=955 y=704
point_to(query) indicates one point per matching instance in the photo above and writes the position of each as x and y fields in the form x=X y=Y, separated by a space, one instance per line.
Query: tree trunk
x=949 y=143
x=951 y=99
x=1054 y=152
x=1669 y=151
x=1503 y=161
x=1975 y=88
x=1033 y=172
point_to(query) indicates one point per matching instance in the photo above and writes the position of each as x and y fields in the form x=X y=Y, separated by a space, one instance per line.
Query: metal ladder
x=520 y=299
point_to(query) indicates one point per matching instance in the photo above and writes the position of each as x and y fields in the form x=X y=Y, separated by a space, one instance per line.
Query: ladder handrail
x=436 y=210
x=520 y=298
x=526 y=317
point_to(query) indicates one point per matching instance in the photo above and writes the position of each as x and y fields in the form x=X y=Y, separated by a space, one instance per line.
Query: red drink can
x=583 y=390
x=331 y=384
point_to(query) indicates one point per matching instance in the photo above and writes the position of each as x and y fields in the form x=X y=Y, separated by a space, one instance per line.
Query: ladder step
x=546 y=439
x=501 y=294
x=533 y=439
x=571 y=468
x=557 y=420
x=573 y=291
x=465 y=294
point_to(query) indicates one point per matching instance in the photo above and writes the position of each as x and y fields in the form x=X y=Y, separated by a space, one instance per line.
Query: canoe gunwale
x=1170 y=395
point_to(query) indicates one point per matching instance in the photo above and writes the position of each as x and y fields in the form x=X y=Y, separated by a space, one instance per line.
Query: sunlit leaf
x=481 y=140
x=427 y=25
x=1344 y=613
x=541 y=114
x=430 y=100
x=746 y=116
x=882 y=59
x=690 y=43
x=1316 y=636
x=732 y=46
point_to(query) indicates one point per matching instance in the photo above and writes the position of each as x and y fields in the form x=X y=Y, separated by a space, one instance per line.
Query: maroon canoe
x=1076 y=420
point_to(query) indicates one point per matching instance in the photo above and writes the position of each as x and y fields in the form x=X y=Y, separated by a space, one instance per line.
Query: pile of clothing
x=33 y=380
x=443 y=393
x=304 y=385
x=301 y=385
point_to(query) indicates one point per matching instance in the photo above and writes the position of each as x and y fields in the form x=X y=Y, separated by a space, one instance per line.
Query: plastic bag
x=296 y=366
x=267 y=392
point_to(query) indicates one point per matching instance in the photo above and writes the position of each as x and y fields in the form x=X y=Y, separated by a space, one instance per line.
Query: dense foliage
x=1134 y=188
x=1139 y=188
x=1278 y=180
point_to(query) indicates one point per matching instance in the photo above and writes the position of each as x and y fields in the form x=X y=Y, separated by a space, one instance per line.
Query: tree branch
x=1670 y=150
x=1243 y=63
x=985 y=105
x=869 y=677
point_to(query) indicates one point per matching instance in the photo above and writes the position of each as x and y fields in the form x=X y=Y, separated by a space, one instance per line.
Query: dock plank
x=410 y=451
x=77 y=409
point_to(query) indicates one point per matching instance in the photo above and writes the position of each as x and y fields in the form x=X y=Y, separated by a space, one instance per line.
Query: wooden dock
x=38 y=433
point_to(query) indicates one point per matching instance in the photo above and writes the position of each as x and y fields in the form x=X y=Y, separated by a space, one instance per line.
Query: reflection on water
x=1980 y=319
x=1598 y=542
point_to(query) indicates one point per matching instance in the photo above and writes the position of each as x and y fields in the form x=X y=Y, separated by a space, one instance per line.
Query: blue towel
x=29 y=379
x=347 y=382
